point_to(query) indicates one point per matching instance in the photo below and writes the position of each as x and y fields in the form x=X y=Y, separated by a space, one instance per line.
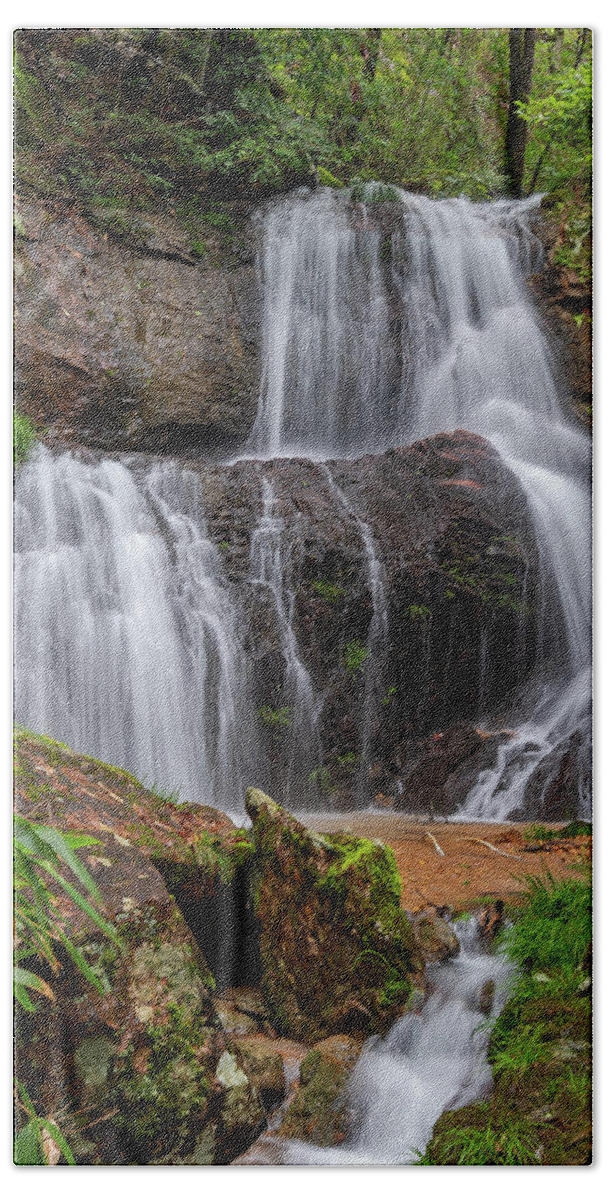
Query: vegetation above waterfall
x=191 y=119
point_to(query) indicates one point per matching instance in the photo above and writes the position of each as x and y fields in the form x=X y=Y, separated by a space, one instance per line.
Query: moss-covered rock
x=320 y=1111
x=337 y=950
x=139 y=1068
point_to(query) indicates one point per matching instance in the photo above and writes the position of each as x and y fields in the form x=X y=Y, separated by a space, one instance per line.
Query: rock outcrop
x=337 y=950
x=453 y=541
x=137 y=342
x=144 y=1071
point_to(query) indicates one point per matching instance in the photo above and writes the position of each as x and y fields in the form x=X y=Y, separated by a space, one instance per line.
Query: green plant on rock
x=354 y=656
x=39 y=1142
x=418 y=612
x=322 y=778
x=328 y=591
x=24 y=437
x=275 y=718
x=41 y=855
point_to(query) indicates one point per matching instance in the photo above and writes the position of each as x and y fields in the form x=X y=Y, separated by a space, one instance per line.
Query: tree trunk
x=521 y=62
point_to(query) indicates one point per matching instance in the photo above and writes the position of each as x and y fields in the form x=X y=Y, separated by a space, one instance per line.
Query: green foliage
x=41 y=855
x=197 y=117
x=553 y=931
x=24 y=437
x=328 y=591
x=275 y=718
x=322 y=778
x=507 y=1145
x=30 y=1148
x=354 y=657
x=418 y=612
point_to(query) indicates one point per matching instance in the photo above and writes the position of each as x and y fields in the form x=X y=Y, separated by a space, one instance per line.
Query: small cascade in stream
x=376 y=639
x=297 y=720
x=385 y=324
x=430 y=1062
x=126 y=641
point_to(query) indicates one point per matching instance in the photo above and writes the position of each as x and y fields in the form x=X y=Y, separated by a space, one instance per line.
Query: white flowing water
x=271 y=571
x=376 y=636
x=126 y=642
x=372 y=341
x=430 y=1062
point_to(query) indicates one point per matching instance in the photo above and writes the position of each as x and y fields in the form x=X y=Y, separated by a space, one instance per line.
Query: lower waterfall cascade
x=381 y=325
x=430 y=1062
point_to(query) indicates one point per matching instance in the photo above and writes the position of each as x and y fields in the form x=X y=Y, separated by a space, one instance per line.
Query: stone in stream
x=434 y=936
x=320 y=1111
x=337 y=950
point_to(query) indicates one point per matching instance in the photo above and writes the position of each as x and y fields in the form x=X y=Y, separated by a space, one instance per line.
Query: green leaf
x=80 y=961
x=58 y=1137
x=28 y=1150
x=85 y=906
x=23 y=978
x=57 y=842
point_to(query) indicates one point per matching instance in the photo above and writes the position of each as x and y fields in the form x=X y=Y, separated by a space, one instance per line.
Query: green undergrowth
x=539 y=1112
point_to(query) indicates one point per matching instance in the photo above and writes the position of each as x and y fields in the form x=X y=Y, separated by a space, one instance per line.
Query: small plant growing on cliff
x=24 y=437
x=355 y=655
x=322 y=778
x=328 y=591
x=418 y=612
x=275 y=718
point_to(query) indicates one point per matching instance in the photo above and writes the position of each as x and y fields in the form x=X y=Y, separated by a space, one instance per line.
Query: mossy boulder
x=337 y=949
x=320 y=1111
x=141 y=1069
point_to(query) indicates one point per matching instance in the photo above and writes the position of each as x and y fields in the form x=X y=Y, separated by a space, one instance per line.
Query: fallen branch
x=505 y=853
x=435 y=843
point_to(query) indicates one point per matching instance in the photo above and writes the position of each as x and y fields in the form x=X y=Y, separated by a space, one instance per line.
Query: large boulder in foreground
x=336 y=947
x=142 y=1070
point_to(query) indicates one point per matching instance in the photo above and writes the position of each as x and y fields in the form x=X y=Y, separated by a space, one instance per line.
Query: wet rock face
x=147 y=1064
x=337 y=949
x=565 y=302
x=553 y=790
x=451 y=534
x=138 y=344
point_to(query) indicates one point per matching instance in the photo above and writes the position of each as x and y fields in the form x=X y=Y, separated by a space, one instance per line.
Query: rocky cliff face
x=446 y=637
x=143 y=341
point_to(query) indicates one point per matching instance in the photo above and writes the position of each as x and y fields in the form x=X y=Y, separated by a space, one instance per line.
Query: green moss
x=275 y=718
x=331 y=592
x=354 y=656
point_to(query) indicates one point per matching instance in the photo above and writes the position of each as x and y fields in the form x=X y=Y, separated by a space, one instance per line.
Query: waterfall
x=126 y=640
x=296 y=720
x=430 y=1062
x=373 y=339
x=381 y=324
x=376 y=638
